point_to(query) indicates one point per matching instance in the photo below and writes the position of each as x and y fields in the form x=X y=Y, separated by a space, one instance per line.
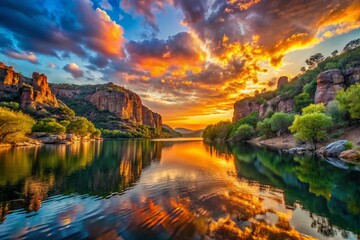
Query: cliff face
x=31 y=93
x=96 y=101
x=328 y=83
x=245 y=106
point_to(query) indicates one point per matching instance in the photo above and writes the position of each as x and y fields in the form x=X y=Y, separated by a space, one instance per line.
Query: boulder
x=352 y=76
x=350 y=156
x=72 y=138
x=334 y=149
x=39 y=134
x=54 y=139
x=328 y=84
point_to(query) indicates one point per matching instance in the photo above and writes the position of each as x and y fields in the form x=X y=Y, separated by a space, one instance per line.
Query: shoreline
x=34 y=142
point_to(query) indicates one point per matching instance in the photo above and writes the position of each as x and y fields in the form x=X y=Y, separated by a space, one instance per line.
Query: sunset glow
x=188 y=60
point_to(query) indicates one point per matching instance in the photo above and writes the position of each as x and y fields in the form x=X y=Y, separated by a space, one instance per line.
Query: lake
x=174 y=189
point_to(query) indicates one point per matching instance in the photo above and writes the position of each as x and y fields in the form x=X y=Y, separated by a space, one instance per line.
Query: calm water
x=142 y=189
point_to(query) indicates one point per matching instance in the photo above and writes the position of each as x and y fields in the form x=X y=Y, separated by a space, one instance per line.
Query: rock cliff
x=107 y=102
x=31 y=93
x=245 y=106
x=328 y=84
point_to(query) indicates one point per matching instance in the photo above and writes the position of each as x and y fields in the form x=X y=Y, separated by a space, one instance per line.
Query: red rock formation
x=32 y=92
x=122 y=103
x=151 y=119
x=328 y=83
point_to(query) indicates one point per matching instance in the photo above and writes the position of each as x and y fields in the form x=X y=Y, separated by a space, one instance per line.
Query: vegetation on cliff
x=333 y=82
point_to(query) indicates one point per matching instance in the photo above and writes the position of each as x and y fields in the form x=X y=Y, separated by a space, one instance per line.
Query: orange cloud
x=109 y=40
x=29 y=56
x=177 y=55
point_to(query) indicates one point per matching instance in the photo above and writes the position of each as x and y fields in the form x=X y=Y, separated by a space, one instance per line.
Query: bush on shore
x=49 y=125
x=14 y=126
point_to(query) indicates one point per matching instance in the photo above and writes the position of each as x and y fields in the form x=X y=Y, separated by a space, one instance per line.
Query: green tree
x=264 y=128
x=220 y=131
x=314 y=108
x=331 y=65
x=96 y=133
x=337 y=114
x=208 y=132
x=302 y=100
x=250 y=119
x=310 y=88
x=10 y=105
x=280 y=122
x=314 y=60
x=243 y=132
x=349 y=100
x=81 y=127
x=48 y=125
x=311 y=127
x=14 y=125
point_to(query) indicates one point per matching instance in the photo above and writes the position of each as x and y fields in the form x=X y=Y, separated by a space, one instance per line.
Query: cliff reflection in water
x=189 y=190
x=316 y=185
x=30 y=175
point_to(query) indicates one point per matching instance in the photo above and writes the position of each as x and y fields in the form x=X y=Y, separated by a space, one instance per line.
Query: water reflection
x=30 y=175
x=331 y=193
x=141 y=189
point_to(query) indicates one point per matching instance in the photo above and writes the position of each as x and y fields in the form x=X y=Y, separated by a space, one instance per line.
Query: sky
x=188 y=60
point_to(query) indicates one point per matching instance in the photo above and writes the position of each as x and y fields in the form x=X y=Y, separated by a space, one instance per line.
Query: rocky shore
x=37 y=139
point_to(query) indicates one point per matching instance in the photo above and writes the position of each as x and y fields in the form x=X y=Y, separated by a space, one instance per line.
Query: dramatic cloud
x=37 y=30
x=29 y=56
x=234 y=41
x=178 y=54
x=146 y=8
x=74 y=70
x=217 y=58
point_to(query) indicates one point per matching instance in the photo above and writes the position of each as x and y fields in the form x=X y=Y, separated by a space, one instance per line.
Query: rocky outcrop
x=31 y=92
x=328 y=84
x=352 y=75
x=352 y=45
x=124 y=104
x=282 y=81
x=244 y=107
x=151 y=119
x=276 y=105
